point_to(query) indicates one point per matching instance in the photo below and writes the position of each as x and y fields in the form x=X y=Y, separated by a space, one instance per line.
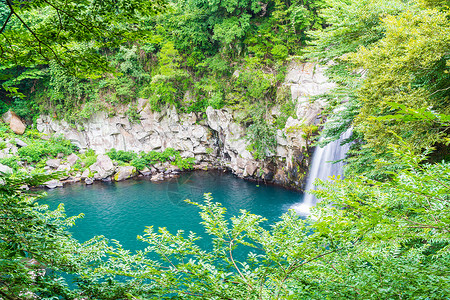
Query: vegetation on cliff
x=383 y=232
x=191 y=56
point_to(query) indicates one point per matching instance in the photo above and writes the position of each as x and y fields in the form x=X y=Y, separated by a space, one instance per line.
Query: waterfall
x=322 y=168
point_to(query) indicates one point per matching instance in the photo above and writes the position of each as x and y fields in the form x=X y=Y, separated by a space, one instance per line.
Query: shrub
x=185 y=163
x=89 y=161
x=32 y=153
x=10 y=162
x=280 y=52
x=89 y=158
x=121 y=155
x=261 y=135
x=152 y=157
x=139 y=162
x=40 y=149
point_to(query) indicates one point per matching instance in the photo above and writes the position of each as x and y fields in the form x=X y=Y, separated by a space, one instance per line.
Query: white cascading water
x=323 y=168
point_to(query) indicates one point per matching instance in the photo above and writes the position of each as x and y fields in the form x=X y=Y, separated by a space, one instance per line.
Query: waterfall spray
x=322 y=168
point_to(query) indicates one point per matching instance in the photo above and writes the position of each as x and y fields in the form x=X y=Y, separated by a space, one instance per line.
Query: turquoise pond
x=122 y=210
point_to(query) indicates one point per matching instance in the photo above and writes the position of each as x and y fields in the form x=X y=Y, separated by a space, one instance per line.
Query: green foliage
x=142 y=160
x=139 y=163
x=39 y=32
x=152 y=157
x=287 y=107
x=32 y=238
x=380 y=235
x=388 y=60
x=184 y=163
x=89 y=161
x=256 y=84
x=280 y=52
x=40 y=149
x=170 y=83
x=352 y=24
x=34 y=241
x=133 y=114
x=162 y=57
x=121 y=155
x=231 y=29
x=407 y=67
x=261 y=135
x=12 y=162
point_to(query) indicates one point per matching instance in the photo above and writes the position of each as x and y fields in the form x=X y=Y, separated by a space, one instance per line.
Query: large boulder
x=124 y=172
x=103 y=167
x=14 y=121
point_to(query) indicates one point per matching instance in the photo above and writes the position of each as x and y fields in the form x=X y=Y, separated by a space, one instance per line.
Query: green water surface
x=122 y=210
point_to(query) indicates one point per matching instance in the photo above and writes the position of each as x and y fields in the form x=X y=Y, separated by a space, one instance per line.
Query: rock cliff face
x=214 y=139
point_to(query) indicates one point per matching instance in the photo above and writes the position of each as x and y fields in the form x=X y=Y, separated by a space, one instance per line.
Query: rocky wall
x=215 y=139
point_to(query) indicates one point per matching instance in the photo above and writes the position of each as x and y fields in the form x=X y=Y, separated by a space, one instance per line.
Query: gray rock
x=218 y=119
x=20 y=143
x=64 y=168
x=3 y=154
x=72 y=159
x=89 y=180
x=198 y=132
x=103 y=167
x=267 y=174
x=53 y=163
x=241 y=163
x=250 y=168
x=125 y=172
x=186 y=154
x=200 y=150
x=85 y=174
x=160 y=167
x=53 y=184
x=5 y=169
x=157 y=177
x=173 y=169
x=145 y=172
